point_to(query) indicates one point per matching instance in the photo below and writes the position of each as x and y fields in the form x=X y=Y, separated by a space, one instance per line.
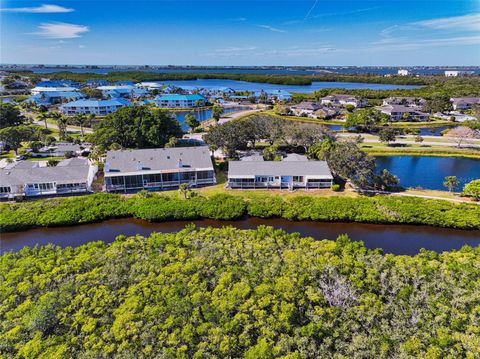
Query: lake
x=429 y=172
x=256 y=86
x=397 y=239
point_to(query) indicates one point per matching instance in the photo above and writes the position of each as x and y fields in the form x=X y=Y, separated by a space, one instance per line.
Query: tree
x=472 y=189
x=450 y=182
x=80 y=119
x=321 y=149
x=136 y=127
x=10 y=116
x=418 y=139
x=35 y=145
x=14 y=136
x=183 y=189
x=366 y=118
x=62 y=122
x=461 y=134
x=270 y=152
x=386 y=181
x=191 y=121
x=92 y=93
x=217 y=111
x=172 y=142
x=44 y=117
x=438 y=104
x=347 y=161
x=350 y=107
x=387 y=135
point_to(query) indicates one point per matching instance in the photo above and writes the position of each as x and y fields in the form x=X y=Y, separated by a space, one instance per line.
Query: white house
x=292 y=172
x=96 y=107
x=179 y=101
x=45 y=89
x=416 y=102
x=158 y=168
x=344 y=100
x=399 y=113
x=30 y=179
x=403 y=72
x=464 y=103
x=456 y=73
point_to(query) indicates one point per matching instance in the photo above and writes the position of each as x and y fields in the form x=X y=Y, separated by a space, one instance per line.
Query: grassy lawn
x=419 y=150
x=55 y=158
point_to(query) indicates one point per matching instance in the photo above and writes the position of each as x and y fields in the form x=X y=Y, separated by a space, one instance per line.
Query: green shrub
x=472 y=189
x=221 y=206
x=266 y=207
x=335 y=187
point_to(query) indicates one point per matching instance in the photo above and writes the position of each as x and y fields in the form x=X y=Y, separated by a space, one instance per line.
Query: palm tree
x=62 y=122
x=43 y=117
x=80 y=119
x=183 y=189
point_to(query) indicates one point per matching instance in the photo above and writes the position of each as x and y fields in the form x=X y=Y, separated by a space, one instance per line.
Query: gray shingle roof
x=157 y=159
x=278 y=168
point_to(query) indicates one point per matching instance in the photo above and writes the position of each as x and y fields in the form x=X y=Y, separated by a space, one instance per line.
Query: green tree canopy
x=136 y=127
x=10 y=115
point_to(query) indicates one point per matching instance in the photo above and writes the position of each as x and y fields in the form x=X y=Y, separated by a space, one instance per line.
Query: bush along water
x=157 y=207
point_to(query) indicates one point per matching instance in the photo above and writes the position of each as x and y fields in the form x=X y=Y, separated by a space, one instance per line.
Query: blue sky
x=230 y=32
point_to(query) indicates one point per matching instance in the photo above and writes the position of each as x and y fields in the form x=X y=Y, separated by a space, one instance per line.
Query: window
x=45 y=186
x=5 y=190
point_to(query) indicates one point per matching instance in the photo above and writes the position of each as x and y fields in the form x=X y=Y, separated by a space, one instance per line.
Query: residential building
x=305 y=108
x=464 y=103
x=403 y=113
x=126 y=93
x=55 y=97
x=47 y=89
x=344 y=100
x=403 y=72
x=158 y=168
x=58 y=83
x=416 y=102
x=61 y=149
x=457 y=73
x=290 y=173
x=96 y=83
x=179 y=101
x=96 y=107
x=30 y=178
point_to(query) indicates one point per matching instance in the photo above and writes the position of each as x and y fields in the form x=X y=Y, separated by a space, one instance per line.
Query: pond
x=202 y=115
x=397 y=239
x=429 y=172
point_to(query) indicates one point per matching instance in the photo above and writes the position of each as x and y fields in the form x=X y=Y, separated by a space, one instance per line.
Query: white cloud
x=42 y=9
x=81 y=46
x=271 y=28
x=446 y=31
x=465 y=22
x=238 y=19
x=61 y=30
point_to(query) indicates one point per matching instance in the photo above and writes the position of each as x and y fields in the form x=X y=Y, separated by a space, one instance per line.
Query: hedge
x=158 y=207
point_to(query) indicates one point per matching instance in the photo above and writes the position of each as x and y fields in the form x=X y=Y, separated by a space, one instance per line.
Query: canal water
x=397 y=239
x=429 y=172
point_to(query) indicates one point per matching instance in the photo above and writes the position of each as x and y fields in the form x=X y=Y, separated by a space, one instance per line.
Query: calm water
x=202 y=115
x=398 y=239
x=254 y=86
x=430 y=172
x=282 y=71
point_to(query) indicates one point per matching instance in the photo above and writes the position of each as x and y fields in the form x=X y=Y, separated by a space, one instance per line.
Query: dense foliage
x=136 y=127
x=227 y=293
x=158 y=207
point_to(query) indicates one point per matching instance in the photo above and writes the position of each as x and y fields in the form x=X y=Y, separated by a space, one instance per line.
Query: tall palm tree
x=81 y=120
x=43 y=117
x=61 y=121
